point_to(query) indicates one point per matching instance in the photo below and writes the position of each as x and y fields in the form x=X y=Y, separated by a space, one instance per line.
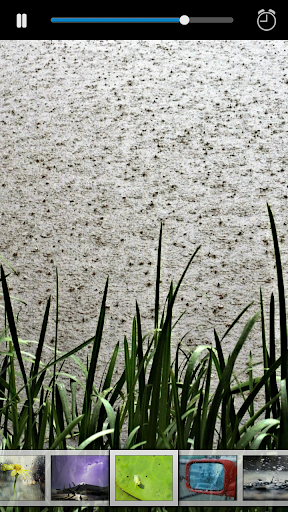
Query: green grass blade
x=189 y=375
x=272 y=344
x=3 y=373
x=110 y=414
x=66 y=432
x=250 y=373
x=256 y=444
x=73 y=398
x=86 y=411
x=91 y=439
x=164 y=398
x=15 y=445
x=130 y=396
x=205 y=402
x=265 y=354
x=130 y=373
x=12 y=386
x=35 y=367
x=157 y=292
x=10 y=266
x=254 y=431
x=224 y=383
x=219 y=353
x=130 y=438
x=64 y=401
x=43 y=426
x=196 y=428
x=282 y=305
x=133 y=348
x=283 y=438
x=180 y=438
x=140 y=356
x=115 y=436
x=251 y=397
x=59 y=418
x=109 y=375
x=236 y=320
x=51 y=437
x=180 y=281
x=117 y=388
x=12 y=326
x=252 y=420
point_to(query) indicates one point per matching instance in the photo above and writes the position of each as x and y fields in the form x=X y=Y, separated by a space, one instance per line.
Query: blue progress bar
x=115 y=20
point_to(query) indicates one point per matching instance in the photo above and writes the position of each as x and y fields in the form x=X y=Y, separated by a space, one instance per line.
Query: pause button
x=21 y=20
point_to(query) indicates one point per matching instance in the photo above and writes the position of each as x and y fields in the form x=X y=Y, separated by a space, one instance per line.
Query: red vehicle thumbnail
x=211 y=476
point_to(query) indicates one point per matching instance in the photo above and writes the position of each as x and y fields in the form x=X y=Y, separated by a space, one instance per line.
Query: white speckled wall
x=100 y=141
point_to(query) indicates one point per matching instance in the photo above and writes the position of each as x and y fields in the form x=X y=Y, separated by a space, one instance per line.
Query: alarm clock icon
x=266 y=19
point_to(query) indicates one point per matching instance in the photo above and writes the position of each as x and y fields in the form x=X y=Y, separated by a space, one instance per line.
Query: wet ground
x=100 y=142
x=77 y=497
x=264 y=486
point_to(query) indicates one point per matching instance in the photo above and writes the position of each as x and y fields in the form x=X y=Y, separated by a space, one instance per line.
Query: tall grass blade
x=115 y=445
x=236 y=320
x=43 y=426
x=64 y=401
x=219 y=353
x=66 y=432
x=73 y=398
x=186 y=389
x=10 y=266
x=205 y=402
x=86 y=411
x=282 y=305
x=252 y=420
x=109 y=375
x=272 y=343
x=12 y=326
x=250 y=373
x=254 y=431
x=130 y=438
x=251 y=397
x=164 y=399
x=35 y=367
x=155 y=381
x=157 y=292
x=140 y=356
x=3 y=373
x=180 y=437
x=225 y=383
x=12 y=385
x=110 y=415
x=265 y=354
x=15 y=444
x=93 y=438
x=196 y=428
x=283 y=438
x=228 y=415
x=51 y=436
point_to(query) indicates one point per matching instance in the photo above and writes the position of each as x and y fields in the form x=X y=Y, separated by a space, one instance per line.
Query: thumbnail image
x=22 y=478
x=144 y=477
x=265 y=477
x=209 y=477
x=80 y=477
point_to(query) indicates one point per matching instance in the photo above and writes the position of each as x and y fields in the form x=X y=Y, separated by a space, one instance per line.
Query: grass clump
x=165 y=404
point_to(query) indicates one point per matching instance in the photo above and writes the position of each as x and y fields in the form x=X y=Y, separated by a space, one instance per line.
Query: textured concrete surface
x=100 y=141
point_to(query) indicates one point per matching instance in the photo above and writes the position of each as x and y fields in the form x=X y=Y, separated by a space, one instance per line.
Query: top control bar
x=184 y=20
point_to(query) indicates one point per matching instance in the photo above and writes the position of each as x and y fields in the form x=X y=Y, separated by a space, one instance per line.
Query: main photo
x=143 y=245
